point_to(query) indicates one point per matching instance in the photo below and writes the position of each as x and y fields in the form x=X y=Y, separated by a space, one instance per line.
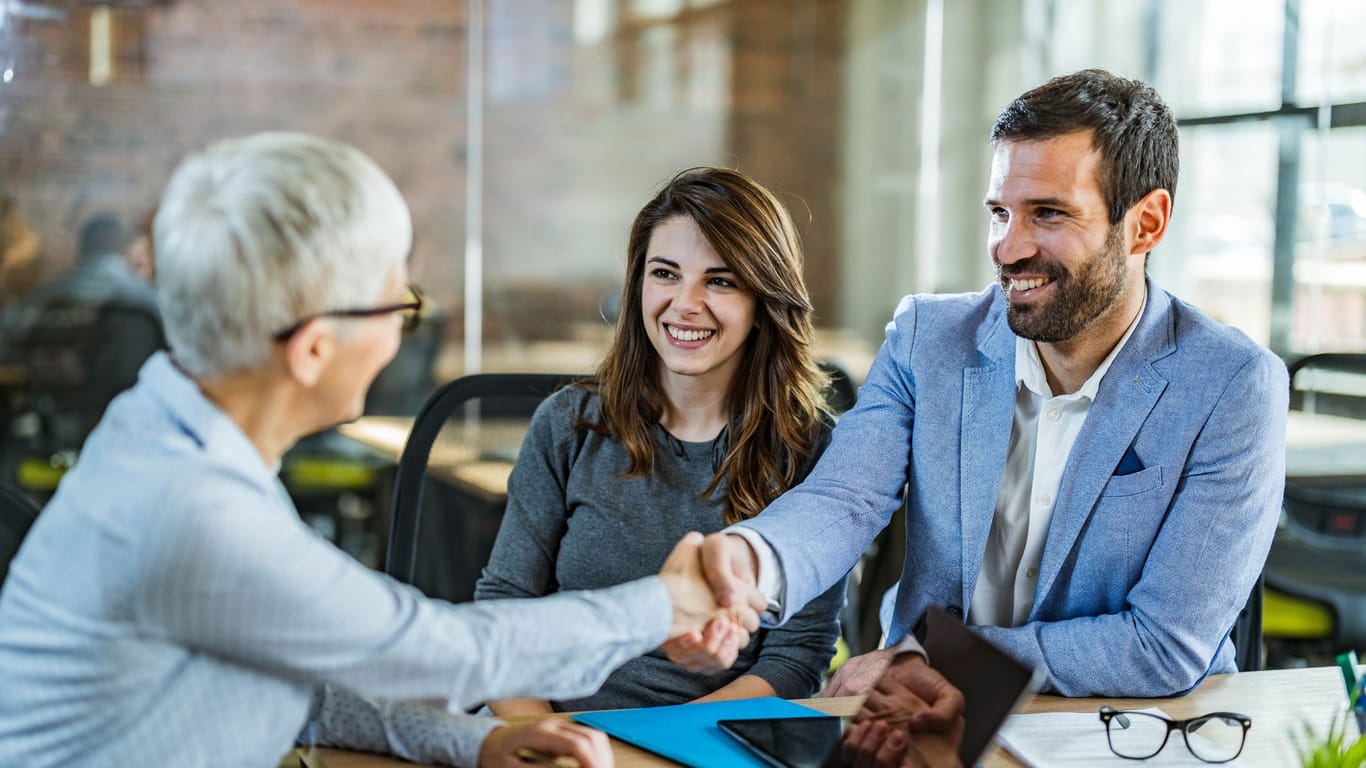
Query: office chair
x=481 y=419
x=78 y=356
x=1315 y=605
x=1247 y=631
x=841 y=394
x=17 y=513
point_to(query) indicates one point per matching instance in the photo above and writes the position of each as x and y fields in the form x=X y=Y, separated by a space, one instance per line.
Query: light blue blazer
x=1144 y=570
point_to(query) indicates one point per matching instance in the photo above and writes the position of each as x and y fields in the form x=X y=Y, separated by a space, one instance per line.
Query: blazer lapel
x=988 y=414
x=1126 y=396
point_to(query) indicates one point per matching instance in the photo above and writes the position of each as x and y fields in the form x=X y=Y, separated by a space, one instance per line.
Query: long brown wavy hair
x=777 y=396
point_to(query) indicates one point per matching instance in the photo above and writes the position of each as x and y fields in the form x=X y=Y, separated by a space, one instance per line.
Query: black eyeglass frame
x=410 y=321
x=1186 y=727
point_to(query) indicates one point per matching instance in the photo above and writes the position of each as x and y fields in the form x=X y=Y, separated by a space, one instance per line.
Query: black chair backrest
x=842 y=393
x=1330 y=509
x=1247 y=631
x=498 y=394
x=17 y=513
x=80 y=355
x=1345 y=396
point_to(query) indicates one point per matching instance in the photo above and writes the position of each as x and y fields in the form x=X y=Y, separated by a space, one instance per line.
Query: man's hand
x=550 y=738
x=914 y=694
x=703 y=635
x=732 y=569
x=912 y=717
x=875 y=744
x=858 y=674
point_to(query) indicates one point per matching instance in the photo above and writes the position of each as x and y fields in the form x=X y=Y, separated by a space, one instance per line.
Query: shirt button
x=1045 y=499
x=1032 y=573
x=1054 y=414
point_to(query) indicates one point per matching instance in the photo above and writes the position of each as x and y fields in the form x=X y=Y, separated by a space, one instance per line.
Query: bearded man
x=1092 y=469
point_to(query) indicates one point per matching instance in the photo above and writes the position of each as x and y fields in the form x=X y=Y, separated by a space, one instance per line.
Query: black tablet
x=993 y=685
x=791 y=742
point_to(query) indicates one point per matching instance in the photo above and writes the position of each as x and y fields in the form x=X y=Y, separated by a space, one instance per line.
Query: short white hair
x=255 y=234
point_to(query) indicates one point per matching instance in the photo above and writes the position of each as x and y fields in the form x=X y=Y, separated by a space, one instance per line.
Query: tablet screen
x=993 y=685
x=790 y=742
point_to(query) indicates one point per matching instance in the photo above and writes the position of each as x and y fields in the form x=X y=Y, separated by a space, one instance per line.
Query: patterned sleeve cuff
x=412 y=730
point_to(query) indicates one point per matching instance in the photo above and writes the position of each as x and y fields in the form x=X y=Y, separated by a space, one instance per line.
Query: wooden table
x=479 y=465
x=1279 y=702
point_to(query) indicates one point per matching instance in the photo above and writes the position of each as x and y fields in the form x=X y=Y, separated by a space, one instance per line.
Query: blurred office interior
x=525 y=134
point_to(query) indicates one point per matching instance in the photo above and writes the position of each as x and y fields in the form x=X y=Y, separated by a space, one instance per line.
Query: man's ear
x=1148 y=220
x=309 y=351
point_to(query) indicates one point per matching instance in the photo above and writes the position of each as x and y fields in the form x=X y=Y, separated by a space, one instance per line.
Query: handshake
x=713 y=585
x=911 y=715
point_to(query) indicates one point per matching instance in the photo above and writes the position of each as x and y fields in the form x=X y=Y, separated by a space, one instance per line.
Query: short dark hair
x=101 y=234
x=1129 y=122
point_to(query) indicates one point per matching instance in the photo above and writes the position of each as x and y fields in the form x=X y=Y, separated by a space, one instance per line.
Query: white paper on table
x=1060 y=739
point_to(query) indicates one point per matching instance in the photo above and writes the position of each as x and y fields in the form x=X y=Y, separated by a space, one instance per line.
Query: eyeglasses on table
x=1216 y=737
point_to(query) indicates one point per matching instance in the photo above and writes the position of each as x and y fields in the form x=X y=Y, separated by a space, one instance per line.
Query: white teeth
x=683 y=335
x=1025 y=285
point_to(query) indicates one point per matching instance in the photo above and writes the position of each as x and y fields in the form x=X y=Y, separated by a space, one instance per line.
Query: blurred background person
x=82 y=337
x=18 y=254
x=138 y=255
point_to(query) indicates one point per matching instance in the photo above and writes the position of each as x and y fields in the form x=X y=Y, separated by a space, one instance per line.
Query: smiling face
x=696 y=314
x=1065 y=270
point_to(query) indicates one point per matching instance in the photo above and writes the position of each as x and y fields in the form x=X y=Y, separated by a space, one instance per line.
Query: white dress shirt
x=169 y=608
x=1041 y=439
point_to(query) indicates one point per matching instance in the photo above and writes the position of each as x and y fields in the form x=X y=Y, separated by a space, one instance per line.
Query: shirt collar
x=202 y=420
x=1029 y=370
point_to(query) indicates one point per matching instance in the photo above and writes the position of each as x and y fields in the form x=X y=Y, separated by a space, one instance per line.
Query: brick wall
x=578 y=135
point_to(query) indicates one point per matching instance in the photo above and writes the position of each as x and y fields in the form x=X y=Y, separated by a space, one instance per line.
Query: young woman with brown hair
x=708 y=406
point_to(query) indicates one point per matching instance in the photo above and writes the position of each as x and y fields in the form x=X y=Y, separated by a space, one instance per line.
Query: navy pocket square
x=1129 y=464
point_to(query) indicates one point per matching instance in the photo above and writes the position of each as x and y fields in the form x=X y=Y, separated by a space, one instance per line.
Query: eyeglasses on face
x=1214 y=738
x=411 y=309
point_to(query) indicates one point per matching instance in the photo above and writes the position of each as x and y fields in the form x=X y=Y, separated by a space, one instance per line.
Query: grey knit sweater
x=573 y=522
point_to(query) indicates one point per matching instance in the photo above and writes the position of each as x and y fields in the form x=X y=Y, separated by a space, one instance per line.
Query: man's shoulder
x=953 y=307
x=1200 y=337
x=949 y=321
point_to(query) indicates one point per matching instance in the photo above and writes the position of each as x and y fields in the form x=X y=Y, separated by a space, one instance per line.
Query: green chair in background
x=1315 y=603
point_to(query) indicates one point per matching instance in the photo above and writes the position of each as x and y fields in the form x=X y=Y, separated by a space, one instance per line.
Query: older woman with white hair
x=170 y=608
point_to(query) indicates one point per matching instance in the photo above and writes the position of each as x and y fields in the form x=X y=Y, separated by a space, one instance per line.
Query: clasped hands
x=912 y=716
x=710 y=623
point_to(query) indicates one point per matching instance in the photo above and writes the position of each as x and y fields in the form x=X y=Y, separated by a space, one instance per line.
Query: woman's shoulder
x=570 y=407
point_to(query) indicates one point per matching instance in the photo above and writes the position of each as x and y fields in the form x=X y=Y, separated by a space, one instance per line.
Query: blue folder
x=687 y=733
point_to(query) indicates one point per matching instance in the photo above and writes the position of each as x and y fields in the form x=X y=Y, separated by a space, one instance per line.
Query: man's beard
x=1078 y=299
